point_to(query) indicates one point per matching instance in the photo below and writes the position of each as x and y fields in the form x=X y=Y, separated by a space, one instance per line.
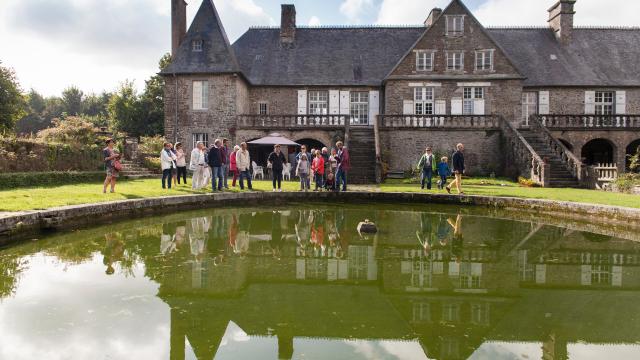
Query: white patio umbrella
x=274 y=139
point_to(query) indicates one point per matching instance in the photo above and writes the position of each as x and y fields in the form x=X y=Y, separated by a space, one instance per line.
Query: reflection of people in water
x=317 y=234
x=443 y=230
x=425 y=234
x=303 y=231
x=167 y=239
x=456 y=244
x=334 y=249
x=242 y=242
x=276 y=234
x=113 y=251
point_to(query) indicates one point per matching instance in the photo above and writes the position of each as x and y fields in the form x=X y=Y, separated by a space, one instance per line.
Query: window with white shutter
x=407 y=107
x=621 y=102
x=543 y=103
x=456 y=106
x=589 y=102
x=604 y=103
x=200 y=95
x=473 y=97
x=423 y=100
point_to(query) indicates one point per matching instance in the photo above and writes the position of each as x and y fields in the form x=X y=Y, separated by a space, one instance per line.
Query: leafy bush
x=626 y=182
x=527 y=182
x=634 y=161
x=21 y=180
x=151 y=144
x=71 y=130
x=152 y=163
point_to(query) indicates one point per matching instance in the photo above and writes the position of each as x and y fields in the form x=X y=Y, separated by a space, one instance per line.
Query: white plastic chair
x=257 y=170
x=286 y=172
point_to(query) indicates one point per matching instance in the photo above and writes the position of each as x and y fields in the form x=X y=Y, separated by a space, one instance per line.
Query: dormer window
x=196 y=45
x=455 y=25
x=455 y=60
x=484 y=60
x=424 y=60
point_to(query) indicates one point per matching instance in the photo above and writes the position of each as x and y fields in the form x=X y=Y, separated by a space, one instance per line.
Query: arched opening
x=598 y=151
x=567 y=144
x=632 y=149
x=310 y=143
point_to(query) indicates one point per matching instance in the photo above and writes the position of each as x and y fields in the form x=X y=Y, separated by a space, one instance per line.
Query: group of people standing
x=217 y=163
x=174 y=165
x=429 y=165
x=328 y=170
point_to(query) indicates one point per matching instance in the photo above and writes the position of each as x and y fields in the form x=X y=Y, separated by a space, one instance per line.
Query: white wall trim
x=474 y=84
x=428 y=84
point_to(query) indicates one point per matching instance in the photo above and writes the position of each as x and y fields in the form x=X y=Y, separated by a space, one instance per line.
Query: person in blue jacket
x=443 y=172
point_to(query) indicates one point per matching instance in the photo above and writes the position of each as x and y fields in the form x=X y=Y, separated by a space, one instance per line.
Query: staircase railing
x=570 y=160
x=522 y=154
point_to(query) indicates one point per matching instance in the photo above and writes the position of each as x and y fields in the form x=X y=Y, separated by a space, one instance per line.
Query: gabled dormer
x=454 y=45
x=205 y=49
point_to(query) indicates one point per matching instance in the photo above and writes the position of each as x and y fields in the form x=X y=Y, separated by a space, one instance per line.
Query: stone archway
x=632 y=149
x=311 y=143
x=598 y=151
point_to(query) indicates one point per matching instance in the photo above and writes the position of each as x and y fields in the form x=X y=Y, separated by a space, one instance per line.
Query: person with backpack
x=427 y=166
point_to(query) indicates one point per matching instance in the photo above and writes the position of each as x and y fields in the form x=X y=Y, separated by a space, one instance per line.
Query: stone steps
x=363 y=156
x=560 y=175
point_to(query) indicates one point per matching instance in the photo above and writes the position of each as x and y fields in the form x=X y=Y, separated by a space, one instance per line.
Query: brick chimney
x=178 y=24
x=288 y=24
x=561 y=20
x=433 y=16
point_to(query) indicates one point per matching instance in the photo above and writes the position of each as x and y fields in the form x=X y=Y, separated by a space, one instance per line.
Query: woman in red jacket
x=233 y=165
x=318 y=170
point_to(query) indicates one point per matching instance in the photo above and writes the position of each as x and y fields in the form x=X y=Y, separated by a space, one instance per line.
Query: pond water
x=300 y=282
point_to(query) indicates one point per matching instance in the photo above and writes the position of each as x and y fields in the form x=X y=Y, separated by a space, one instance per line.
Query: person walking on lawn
x=344 y=165
x=458 y=169
x=277 y=161
x=443 y=172
x=225 y=162
x=427 y=166
x=243 y=162
x=216 y=164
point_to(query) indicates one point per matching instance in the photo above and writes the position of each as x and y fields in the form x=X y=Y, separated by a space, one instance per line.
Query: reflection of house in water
x=505 y=282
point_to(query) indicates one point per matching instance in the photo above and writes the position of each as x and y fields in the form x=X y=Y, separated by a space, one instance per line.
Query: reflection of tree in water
x=10 y=268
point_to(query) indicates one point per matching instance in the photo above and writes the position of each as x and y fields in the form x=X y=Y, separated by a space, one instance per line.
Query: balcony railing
x=622 y=122
x=439 y=121
x=292 y=121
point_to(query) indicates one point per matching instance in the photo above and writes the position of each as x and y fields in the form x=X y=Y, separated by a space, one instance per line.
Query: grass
x=37 y=198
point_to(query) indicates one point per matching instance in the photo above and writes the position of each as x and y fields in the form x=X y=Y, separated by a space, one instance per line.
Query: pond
x=300 y=282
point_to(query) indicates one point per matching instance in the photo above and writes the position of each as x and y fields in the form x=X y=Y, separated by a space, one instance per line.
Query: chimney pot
x=178 y=24
x=561 y=20
x=288 y=23
x=433 y=16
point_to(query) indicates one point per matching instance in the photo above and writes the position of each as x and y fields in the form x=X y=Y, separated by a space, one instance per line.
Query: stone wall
x=18 y=155
x=570 y=101
x=483 y=149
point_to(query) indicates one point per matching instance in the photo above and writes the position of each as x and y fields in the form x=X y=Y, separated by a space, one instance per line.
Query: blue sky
x=96 y=44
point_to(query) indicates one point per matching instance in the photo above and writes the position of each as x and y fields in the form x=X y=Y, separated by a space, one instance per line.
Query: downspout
x=175 y=132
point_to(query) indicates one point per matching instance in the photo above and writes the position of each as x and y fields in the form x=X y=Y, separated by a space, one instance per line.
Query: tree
x=72 y=100
x=124 y=109
x=95 y=108
x=152 y=101
x=35 y=120
x=12 y=104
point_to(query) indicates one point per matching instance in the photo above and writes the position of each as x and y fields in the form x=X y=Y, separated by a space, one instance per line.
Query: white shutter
x=454 y=268
x=585 y=275
x=589 y=102
x=343 y=269
x=374 y=105
x=302 y=102
x=407 y=107
x=334 y=102
x=456 y=106
x=197 y=95
x=478 y=107
x=543 y=103
x=616 y=275
x=441 y=107
x=300 y=269
x=345 y=103
x=541 y=273
x=621 y=102
x=332 y=269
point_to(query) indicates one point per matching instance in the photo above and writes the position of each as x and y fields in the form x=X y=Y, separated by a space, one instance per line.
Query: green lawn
x=47 y=197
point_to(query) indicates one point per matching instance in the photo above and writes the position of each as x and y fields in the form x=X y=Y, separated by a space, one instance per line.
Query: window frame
x=359 y=102
x=197 y=45
x=424 y=100
x=453 y=56
x=266 y=108
x=482 y=54
x=469 y=95
x=318 y=99
x=204 y=95
x=528 y=105
x=602 y=106
x=450 y=21
x=204 y=137
x=421 y=64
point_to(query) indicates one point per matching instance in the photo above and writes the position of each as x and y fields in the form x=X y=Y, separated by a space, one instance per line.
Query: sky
x=96 y=44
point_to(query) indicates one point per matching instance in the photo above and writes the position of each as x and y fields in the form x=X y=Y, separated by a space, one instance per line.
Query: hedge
x=22 y=180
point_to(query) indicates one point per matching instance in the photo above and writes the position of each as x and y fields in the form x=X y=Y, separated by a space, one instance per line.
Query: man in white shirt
x=243 y=162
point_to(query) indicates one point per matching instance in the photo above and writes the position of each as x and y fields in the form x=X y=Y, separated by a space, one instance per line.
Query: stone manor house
x=548 y=103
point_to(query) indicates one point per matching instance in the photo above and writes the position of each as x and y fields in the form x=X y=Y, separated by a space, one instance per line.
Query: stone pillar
x=288 y=24
x=561 y=20
x=178 y=24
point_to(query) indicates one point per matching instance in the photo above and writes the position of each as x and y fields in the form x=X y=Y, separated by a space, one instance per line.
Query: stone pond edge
x=15 y=226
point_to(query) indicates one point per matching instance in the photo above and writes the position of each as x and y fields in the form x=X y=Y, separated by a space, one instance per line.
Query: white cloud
x=394 y=12
x=353 y=9
x=314 y=21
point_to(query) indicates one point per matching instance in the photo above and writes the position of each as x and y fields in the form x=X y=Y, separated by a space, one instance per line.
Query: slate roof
x=217 y=55
x=323 y=56
x=594 y=57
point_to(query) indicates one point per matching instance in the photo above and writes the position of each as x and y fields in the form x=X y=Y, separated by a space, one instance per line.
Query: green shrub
x=21 y=180
x=527 y=182
x=151 y=144
x=152 y=163
x=626 y=182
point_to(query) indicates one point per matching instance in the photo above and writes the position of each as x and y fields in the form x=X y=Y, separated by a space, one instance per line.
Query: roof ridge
x=542 y=27
x=369 y=26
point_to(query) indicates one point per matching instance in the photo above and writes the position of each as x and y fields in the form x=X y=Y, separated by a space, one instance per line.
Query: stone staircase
x=362 y=150
x=560 y=175
x=133 y=170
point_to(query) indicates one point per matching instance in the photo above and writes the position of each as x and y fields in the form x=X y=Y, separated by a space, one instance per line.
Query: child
x=302 y=171
x=318 y=170
x=331 y=182
x=443 y=171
